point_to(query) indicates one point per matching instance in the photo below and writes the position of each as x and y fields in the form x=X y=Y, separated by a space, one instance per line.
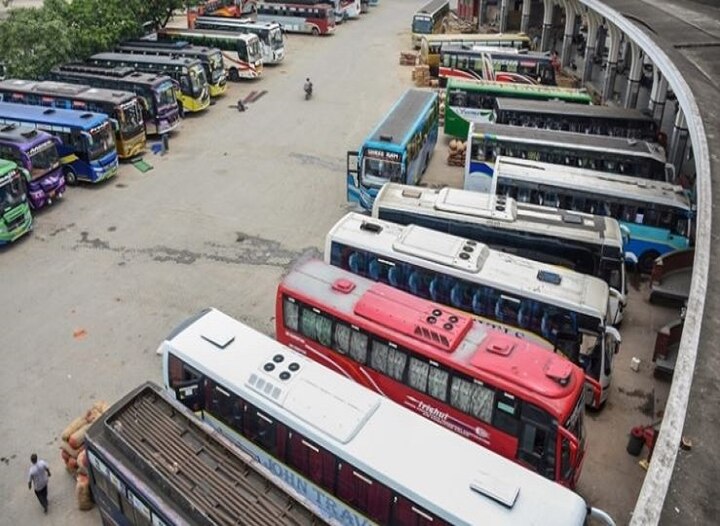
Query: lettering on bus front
x=383 y=155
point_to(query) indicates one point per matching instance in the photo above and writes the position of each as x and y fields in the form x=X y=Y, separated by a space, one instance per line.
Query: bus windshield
x=377 y=172
x=43 y=158
x=253 y=50
x=100 y=141
x=216 y=66
x=13 y=191
x=276 y=38
x=131 y=120
x=422 y=24
x=165 y=95
x=197 y=80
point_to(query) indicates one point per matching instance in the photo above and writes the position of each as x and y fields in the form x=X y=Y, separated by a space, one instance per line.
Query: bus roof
x=570 y=109
x=237 y=22
x=160 y=445
x=517 y=90
x=432 y=6
x=121 y=73
x=591 y=181
x=495 y=52
x=475 y=262
x=580 y=141
x=499 y=212
x=166 y=47
x=146 y=59
x=439 y=470
x=510 y=363
x=52 y=88
x=24 y=113
x=397 y=126
x=25 y=137
x=472 y=37
x=213 y=34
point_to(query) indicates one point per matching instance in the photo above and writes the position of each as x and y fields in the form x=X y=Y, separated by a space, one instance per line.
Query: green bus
x=469 y=101
x=16 y=219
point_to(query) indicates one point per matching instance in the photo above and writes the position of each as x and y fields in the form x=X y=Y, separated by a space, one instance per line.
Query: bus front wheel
x=70 y=177
x=647 y=261
x=315 y=31
x=234 y=75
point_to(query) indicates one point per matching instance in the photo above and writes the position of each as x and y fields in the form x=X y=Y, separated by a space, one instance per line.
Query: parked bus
x=193 y=92
x=36 y=152
x=343 y=9
x=272 y=43
x=122 y=107
x=210 y=57
x=469 y=101
x=398 y=149
x=567 y=308
x=87 y=143
x=16 y=219
x=151 y=462
x=596 y=152
x=317 y=19
x=579 y=118
x=430 y=45
x=442 y=365
x=155 y=92
x=363 y=458
x=240 y=51
x=502 y=64
x=220 y=8
x=429 y=19
x=589 y=244
x=659 y=216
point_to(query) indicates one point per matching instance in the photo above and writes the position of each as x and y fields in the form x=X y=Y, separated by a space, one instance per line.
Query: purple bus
x=36 y=151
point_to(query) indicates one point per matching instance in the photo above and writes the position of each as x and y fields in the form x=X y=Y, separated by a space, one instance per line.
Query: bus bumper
x=128 y=148
x=42 y=192
x=218 y=89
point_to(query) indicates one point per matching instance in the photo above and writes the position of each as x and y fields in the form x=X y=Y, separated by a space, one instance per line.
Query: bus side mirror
x=631 y=259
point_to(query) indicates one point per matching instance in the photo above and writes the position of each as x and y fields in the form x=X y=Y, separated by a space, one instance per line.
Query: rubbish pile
x=72 y=451
x=421 y=76
x=456 y=156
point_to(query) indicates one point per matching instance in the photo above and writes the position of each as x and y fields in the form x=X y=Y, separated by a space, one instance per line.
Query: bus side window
x=388 y=360
x=358 y=346
x=404 y=511
x=461 y=296
x=356 y=263
x=363 y=493
x=418 y=374
x=537 y=442
x=418 y=283
x=506 y=413
x=438 y=382
x=260 y=429
x=225 y=406
x=291 y=314
x=311 y=460
x=472 y=398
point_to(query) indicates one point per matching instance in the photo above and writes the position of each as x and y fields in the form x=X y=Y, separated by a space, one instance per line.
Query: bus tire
x=181 y=110
x=427 y=162
x=233 y=75
x=315 y=31
x=70 y=177
x=647 y=261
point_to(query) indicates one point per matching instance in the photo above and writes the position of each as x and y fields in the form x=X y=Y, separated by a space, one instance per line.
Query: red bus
x=317 y=19
x=518 y=399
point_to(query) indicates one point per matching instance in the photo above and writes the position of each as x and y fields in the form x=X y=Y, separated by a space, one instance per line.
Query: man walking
x=38 y=476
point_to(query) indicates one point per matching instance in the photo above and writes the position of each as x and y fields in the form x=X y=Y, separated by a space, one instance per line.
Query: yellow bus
x=430 y=45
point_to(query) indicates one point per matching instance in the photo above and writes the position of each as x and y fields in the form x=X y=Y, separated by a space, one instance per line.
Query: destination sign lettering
x=383 y=155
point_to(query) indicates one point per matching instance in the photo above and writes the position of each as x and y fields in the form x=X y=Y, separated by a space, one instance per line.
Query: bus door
x=186 y=383
x=353 y=183
x=536 y=447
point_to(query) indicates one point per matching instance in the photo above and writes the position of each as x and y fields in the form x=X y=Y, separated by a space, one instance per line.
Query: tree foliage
x=33 y=40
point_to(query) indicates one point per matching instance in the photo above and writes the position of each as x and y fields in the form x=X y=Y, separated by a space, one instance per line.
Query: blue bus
x=658 y=217
x=398 y=150
x=87 y=152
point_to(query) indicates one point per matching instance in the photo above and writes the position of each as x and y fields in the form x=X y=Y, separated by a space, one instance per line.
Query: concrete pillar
x=601 y=38
x=547 y=24
x=634 y=76
x=482 y=13
x=678 y=142
x=590 y=46
x=658 y=96
x=612 y=60
x=502 y=23
x=525 y=20
x=570 y=13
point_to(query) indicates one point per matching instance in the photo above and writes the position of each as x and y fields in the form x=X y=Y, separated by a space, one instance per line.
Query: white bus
x=361 y=458
x=590 y=244
x=487 y=141
x=569 y=309
x=430 y=45
x=658 y=216
x=272 y=43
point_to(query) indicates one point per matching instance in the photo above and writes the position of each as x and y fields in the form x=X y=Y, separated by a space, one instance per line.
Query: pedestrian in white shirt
x=38 y=476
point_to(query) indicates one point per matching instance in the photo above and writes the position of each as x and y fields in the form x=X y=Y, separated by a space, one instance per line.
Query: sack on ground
x=72 y=427
x=69 y=450
x=77 y=439
x=83 y=494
